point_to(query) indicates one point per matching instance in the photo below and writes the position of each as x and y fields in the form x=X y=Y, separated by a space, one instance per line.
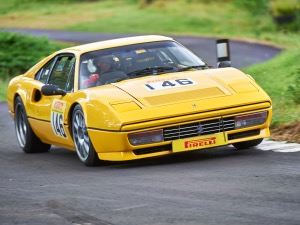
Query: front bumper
x=115 y=146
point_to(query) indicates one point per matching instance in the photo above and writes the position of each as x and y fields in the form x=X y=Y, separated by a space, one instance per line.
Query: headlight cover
x=146 y=137
x=250 y=120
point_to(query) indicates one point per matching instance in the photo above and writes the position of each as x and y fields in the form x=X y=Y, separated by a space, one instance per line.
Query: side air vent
x=152 y=150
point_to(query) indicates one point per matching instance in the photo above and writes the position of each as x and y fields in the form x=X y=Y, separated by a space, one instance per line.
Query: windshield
x=127 y=62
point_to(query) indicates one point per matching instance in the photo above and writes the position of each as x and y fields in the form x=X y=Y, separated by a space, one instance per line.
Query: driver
x=104 y=64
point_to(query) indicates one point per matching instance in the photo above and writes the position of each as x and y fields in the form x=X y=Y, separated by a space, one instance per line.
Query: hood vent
x=185 y=96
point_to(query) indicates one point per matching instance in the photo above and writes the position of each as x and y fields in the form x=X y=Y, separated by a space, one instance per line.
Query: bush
x=19 y=52
x=256 y=7
x=286 y=14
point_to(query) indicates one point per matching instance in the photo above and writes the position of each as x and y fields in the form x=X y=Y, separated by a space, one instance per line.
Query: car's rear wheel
x=82 y=141
x=247 y=144
x=27 y=139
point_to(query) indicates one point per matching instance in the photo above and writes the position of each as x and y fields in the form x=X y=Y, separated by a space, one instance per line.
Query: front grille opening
x=144 y=151
x=198 y=128
x=243 y=134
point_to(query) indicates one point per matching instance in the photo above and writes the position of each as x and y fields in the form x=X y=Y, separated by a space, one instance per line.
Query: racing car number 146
x=57 y=118
x=169 y=84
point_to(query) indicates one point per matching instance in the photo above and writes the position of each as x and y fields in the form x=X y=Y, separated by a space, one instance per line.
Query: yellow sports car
x=133 y=98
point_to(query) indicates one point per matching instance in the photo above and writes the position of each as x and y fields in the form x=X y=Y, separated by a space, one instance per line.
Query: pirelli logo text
x=200 y=142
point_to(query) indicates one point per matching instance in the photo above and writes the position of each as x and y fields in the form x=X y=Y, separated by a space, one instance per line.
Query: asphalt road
x=208 y=187
x=217 y=186
x=243 y=54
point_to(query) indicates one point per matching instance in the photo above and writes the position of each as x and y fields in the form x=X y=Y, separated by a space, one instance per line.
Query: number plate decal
x=57 y=118
x=199 y=142
x=169 y=84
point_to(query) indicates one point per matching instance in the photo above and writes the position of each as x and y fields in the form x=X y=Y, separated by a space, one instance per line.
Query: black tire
x=27 y=139
x=247 y=144
x=83 y=145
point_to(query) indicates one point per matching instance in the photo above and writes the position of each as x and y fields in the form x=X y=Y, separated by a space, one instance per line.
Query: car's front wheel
x=247 y=144
x=82 y=141
x=27 y=139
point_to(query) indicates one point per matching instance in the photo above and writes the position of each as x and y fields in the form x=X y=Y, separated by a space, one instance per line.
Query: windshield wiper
x=193 y=67
x=151 y=70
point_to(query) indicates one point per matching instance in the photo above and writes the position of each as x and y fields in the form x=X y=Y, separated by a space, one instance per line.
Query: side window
x=44 y=73
x=63 y=73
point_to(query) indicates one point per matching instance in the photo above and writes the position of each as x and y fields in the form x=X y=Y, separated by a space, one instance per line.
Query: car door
x=51 y=110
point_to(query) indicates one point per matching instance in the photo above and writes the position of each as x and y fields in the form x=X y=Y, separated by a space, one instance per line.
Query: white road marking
x=130 y=207
x=278 y=146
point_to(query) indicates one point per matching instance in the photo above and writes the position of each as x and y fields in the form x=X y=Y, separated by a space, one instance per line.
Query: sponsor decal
x=57 y=118
x=161 y=79
x=145 y=60
x=58 y=106
x=200 y=142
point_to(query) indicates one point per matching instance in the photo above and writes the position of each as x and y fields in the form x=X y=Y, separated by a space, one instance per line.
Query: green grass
x=241 y=19
x=231 y=18
x=275 y=76
x=3 y=89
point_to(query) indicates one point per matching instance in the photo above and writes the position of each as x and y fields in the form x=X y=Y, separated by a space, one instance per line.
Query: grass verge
x=3 y=89
x=276 y=76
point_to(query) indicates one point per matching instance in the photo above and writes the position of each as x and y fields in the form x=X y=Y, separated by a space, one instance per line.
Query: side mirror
x=224 y=64
x=50 y=90
x=223 y=53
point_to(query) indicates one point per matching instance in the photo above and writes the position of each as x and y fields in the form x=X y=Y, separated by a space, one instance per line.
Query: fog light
x=146 y=137
x=249 y=120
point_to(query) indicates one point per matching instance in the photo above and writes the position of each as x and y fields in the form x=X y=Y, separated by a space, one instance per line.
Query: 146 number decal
x=169 y=84
x=57 y=118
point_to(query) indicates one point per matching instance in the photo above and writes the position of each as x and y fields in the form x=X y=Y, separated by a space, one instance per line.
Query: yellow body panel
x=128 y=154
x=115 y=110
x=114 y=146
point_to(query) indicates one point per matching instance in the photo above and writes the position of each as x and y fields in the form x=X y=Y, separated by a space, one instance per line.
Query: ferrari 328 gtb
x=133 y=98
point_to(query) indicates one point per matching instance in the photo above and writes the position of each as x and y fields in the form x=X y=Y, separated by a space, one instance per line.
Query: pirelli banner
x=199 y=142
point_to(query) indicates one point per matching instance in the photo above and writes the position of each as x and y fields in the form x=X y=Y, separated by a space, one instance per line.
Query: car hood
x=178 y=94
x=188 y=86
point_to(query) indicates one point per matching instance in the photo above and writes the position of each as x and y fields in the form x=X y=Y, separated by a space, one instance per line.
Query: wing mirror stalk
x=223 y=53
x=50 y=90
